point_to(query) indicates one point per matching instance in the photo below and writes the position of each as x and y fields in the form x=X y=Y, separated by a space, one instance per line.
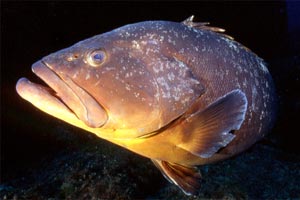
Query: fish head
x=120 y=84
x=102 y=85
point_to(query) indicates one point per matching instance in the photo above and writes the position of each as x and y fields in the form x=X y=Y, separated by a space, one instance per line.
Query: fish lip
x=34 y=69
x=42 y=69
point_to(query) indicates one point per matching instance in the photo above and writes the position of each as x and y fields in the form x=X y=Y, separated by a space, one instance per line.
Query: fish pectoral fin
x=204 y=26
x=205 y=132
x=187 y=178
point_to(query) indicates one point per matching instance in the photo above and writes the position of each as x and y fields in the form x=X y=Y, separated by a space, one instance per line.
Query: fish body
x=181 y=94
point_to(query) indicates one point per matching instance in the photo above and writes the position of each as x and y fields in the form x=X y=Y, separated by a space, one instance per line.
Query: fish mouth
x=63 y=98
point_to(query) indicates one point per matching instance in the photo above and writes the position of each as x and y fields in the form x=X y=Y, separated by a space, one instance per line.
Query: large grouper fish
x=182 y=94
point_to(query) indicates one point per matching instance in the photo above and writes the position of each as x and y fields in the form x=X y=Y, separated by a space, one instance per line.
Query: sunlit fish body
x=181 y=94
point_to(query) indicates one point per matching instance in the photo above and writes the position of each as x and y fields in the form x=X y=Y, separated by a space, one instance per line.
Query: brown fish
x=181 y=94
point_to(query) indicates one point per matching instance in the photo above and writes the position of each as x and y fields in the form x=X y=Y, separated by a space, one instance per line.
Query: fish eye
x=96 y=57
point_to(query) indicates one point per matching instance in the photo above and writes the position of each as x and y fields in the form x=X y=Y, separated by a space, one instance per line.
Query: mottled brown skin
x=154 y=73
x=221 y=65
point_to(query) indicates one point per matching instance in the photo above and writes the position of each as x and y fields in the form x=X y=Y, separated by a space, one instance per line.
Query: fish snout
x=76 y=98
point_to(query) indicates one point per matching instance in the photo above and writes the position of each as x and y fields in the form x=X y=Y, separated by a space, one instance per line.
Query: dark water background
x=32 y=143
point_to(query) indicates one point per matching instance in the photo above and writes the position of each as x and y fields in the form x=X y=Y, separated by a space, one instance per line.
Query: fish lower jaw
x=62 y=93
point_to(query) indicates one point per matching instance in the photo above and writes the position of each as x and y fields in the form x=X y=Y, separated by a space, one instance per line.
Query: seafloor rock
x=100 y=170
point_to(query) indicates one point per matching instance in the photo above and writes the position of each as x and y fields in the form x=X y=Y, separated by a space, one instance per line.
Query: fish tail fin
x=187 y=178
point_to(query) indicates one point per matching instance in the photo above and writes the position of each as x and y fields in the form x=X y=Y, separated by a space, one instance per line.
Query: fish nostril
x=72 y=57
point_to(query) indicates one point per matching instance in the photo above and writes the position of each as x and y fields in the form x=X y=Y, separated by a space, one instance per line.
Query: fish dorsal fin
x=187 y=178
x=204 y=26
x=205 y=132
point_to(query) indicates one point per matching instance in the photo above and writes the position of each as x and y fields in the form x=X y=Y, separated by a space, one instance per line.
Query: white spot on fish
x=171 y=41
x=253 y=99
x=232 y=44
x=161 y=39
x=256 y=82
x=261 y=115
x=263 y=67
x=245 y=83
x=158 y=68
x=136 y=94
x=260 y=127
x=153 y=42
x=267 y=85
x=237 y=82
x=171 y=76
x=184 y=36
x=97 y=83
x=75 y=75
x=127 y=87
x=227 y=72
x=165 y=87
x=136 y=45
x=157 y=95
x=87 y=76
x=128 y=74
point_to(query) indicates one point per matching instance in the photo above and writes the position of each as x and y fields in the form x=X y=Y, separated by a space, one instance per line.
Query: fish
x=183 y=94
